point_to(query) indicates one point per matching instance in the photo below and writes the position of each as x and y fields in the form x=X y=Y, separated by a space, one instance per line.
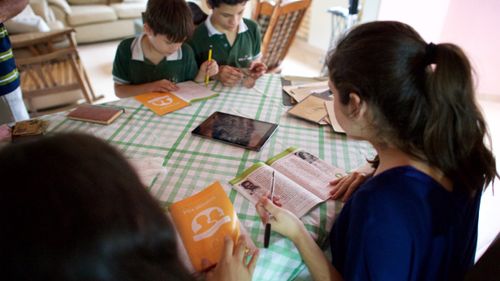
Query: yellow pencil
x=207 y=78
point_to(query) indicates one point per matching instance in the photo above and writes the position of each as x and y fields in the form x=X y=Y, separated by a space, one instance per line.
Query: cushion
x=55 y=25
x=88 y=14
x=41 y=8
x=129 y=10
x=61 y=5
x=26 y=21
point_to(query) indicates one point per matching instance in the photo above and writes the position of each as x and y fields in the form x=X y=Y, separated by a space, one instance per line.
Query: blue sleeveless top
x=403 y=225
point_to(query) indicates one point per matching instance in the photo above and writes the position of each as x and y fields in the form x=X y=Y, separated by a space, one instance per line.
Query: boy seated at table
x=235 y=43
x=157 y=59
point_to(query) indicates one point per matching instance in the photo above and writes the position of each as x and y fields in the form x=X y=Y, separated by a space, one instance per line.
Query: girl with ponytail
x=416 y=217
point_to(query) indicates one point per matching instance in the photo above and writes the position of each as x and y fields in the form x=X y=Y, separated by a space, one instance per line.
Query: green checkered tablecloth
x=192 y=163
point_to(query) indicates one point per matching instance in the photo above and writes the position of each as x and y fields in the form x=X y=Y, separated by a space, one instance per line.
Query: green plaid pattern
x=193 y=162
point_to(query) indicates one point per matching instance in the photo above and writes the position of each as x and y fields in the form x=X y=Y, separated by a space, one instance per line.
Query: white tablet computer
x=237 y=130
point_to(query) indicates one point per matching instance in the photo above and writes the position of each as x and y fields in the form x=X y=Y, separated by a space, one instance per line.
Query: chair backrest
x=279 y=22
x=49 y=63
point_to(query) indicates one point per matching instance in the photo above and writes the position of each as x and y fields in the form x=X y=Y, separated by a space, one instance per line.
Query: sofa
x=98 y=20
x=93 y=21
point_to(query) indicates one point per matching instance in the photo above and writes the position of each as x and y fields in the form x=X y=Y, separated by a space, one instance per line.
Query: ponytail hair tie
x=430 y=54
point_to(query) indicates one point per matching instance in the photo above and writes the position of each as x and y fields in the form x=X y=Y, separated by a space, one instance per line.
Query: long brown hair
x=73 y=209
x=421 y=95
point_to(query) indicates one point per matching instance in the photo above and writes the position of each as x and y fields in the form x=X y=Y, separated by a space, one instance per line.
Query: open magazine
x=302 y=180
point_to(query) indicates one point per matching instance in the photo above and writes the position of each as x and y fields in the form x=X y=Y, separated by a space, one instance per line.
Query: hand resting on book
x=343 y=187
x=346 y=185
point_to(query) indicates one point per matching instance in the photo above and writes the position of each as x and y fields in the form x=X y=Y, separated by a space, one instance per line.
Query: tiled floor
x=98 y=59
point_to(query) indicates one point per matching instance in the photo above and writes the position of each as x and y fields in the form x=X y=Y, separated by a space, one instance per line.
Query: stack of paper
x=300 y=92
x=314 y=103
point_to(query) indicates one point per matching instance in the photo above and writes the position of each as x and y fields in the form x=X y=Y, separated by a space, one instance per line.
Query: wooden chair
x=279 y=22
x=49 y=63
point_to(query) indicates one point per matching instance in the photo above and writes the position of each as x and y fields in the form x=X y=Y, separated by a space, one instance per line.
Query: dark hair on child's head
x=216 y=3
x=72 y=208
x=421 y=98
x=171 y=18
x=198 y=15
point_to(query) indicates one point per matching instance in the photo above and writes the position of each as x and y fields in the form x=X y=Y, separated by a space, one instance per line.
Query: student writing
x=159 y=58
x=236 y=42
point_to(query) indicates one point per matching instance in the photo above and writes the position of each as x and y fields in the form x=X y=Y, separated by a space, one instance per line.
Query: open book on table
x=202 y=221
x=163 y=103
x=302 y=180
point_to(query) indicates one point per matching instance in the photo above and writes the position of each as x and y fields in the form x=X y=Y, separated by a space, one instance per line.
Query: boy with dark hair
x=235 y=42
x=157 y=59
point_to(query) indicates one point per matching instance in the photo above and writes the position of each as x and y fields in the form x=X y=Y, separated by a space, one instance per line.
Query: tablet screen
x=241 y=131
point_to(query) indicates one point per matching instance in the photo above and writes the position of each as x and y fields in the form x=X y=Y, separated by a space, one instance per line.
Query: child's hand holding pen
x=267 y=233
x=208 y=69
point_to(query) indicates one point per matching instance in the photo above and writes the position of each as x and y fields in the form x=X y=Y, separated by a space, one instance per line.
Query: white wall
x=471 y=24
x=426 y=16
x=320 y=22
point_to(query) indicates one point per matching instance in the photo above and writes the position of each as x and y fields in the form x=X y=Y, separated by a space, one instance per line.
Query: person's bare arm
x=10 y=8
x=312 y=255
x=128 y=90
x=287 y=224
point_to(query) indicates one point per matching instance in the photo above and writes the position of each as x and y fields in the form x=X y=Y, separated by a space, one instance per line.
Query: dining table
x=179 y=164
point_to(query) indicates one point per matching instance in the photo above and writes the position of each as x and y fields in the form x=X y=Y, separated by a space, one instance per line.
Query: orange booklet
x=202 y=221
x=161 y=103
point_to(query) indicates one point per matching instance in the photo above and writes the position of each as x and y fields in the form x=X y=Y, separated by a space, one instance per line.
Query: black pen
x=267 y=232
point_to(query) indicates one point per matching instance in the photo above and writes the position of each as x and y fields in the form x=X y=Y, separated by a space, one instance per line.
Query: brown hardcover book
x=96 y=113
